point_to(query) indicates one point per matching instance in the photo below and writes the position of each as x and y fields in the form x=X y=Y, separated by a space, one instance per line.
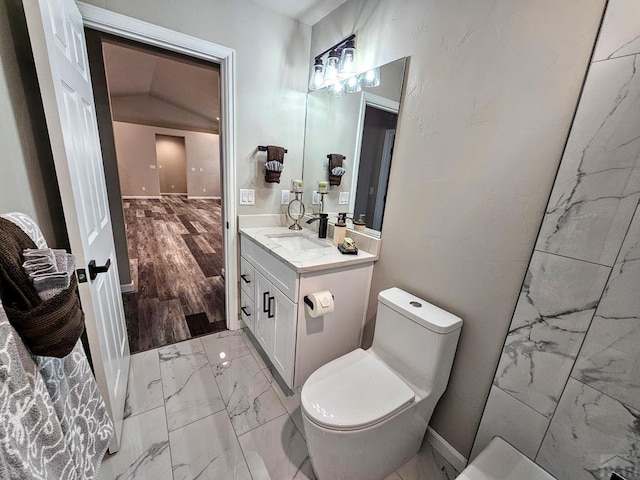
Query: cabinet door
x=264 y=322
x=248 y=311
x=283 y=312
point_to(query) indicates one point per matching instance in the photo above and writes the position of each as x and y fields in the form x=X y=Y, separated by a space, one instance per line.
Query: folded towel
x=275 y=153
x=275 y=163
x=335 y=162
x=274 y=166
x=48 y=319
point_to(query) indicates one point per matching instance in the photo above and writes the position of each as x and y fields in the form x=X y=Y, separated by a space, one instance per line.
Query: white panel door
x=57 y=39
x=283 y=316
x=264 y=324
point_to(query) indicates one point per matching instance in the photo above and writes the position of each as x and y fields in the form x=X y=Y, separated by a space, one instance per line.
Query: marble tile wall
x=567 y=389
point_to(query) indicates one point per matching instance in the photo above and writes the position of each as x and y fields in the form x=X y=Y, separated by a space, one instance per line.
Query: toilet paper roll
x=319 y=303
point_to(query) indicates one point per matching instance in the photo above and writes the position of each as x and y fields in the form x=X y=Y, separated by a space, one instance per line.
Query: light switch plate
x=152 y=167
x=284 y=199
x=315 y=200
x=247 y=196
x=343 y=199
x=193 y=169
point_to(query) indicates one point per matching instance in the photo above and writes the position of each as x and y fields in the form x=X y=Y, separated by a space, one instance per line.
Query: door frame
x=133 y=29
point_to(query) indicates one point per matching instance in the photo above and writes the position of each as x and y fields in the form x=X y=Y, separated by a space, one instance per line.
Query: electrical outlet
x=284 y=199
x=343 y=199
x=173 y=186
x=315 y=199
x=247 y=196
x=144 y=189
x=159 y=166
x=201 y=170
x=204 y=189
x=152 y=167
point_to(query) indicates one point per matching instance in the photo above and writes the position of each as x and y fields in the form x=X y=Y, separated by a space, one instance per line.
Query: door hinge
x=82 y=275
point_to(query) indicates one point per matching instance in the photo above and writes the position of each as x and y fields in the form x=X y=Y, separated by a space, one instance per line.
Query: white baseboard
x=444 y=448
x=141 y=197
x=194 y=197
x=127 y=288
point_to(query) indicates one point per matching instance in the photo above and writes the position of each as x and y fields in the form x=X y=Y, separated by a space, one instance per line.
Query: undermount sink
x=297 y=241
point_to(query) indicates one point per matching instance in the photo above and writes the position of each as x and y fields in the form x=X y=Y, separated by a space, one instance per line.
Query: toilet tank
x=416 y=339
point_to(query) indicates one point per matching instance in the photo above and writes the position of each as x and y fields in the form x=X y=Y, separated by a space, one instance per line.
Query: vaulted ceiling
x=161 y=90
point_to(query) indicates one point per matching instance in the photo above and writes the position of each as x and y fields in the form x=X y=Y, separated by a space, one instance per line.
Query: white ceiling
x=307 y=11
x=160 y=90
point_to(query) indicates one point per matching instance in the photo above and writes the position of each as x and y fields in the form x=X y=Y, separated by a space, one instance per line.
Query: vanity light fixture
x=317 y=76
x=331 y=72
x=352 y=84
x=337 y=89
x=347 y=65
x=370 y=78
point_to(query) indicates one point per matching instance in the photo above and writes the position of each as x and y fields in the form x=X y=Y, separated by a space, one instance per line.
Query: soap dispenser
x=340 y=229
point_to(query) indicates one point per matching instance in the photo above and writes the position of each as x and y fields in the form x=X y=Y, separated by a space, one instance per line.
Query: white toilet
x=366 y=413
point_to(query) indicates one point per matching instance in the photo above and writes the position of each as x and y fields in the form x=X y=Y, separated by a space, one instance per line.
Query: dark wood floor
x=175 y=250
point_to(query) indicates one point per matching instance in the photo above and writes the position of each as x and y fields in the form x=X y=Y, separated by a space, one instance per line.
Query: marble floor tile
x=176 y=350
x=144 y=451
x=598 y=185
x=190 y=391
x=247 y=393
x=208 y=448
x=224 y=346
x=556 y=305
x=619 y=33
x=144 y=388
x=393 y=476
x=276 y=450
x=256 y=351
x=590 y=436
x=290 y=399
x=610 y=358
x=504 y=416
x=427 y=464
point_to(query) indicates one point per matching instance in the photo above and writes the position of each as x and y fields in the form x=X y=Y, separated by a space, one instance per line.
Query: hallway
x=176 y=257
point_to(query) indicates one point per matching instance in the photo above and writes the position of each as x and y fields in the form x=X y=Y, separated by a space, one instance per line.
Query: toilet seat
x=354 y=391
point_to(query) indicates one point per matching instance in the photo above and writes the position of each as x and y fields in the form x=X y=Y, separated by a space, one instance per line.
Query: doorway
x=172 y=164
x=164 y=115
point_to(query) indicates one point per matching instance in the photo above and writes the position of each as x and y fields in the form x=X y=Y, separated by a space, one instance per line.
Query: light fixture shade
x=331 y=70
x=347 y=65
x=352 y=85
x=370 y=78
x=337 y=89
x=317 y=76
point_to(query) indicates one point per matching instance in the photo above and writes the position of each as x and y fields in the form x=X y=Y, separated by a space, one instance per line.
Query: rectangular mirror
x=362 y=127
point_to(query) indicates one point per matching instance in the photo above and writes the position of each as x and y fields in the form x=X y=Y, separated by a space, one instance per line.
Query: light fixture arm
x=341 y=43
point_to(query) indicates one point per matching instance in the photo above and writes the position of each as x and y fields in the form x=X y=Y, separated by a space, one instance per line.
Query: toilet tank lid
x=420 y=311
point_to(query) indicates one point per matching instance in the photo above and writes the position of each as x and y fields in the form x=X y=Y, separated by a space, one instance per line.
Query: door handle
x=94 y=270
x=243 y=277
x=264 y=302
x=245 y=311
x=270 y=315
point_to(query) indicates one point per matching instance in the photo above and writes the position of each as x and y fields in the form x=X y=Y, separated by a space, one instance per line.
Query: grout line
x=573 y=258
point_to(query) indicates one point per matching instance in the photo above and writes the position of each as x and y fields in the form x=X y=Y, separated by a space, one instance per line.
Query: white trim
x=381 y=103
x=141 y=197
x=127 y=288
x=444 y=448
x=193 y=197
x=163 y=194
x=383 y=177
x=134 y=29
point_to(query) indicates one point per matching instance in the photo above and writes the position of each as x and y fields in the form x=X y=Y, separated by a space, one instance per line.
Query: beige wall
x=27 y=176
x=272 y=65
x=136 y=151
x=171 y=155
x=489 y=97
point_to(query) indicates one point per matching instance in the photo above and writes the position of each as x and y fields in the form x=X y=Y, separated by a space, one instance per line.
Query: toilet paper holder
x=309 y=303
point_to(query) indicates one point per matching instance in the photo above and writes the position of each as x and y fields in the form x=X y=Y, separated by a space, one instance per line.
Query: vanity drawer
x=247 y=277
x=274 y=270
x=247 y=310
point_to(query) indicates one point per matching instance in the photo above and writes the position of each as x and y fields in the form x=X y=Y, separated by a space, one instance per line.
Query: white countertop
x=302 y=261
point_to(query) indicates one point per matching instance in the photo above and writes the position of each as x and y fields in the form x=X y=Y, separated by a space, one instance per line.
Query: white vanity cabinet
x=272 y=306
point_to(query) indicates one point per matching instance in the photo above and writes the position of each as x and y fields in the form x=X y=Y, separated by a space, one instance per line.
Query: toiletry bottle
x=359 y=225
x=340 y=229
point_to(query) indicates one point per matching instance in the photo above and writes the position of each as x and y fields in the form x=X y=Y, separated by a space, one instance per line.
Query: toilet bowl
x=366 y=413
